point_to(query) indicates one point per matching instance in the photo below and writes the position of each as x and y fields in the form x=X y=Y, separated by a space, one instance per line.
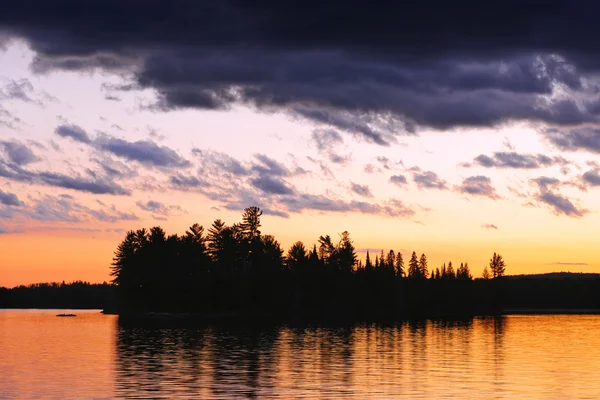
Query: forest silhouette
x=237 y=271
x=237 y=268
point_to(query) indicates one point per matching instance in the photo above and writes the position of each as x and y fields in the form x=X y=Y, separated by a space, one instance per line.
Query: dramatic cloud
x=478 y=186
x=18 y=153
x=517 y=161
x=9 y=199
x=365 y=75
x=74 y=132
x=361 y=190
x=489 y=226
x=398 y=180
x=428 y=179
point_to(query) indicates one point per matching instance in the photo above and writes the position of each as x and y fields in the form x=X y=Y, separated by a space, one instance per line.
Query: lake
x=92 y=356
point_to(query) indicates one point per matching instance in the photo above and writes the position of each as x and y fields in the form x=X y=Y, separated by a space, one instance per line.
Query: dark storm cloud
x=428 y=179
x=517 y=161
x=373 y=70
x=9 y=199
x=478 y=186
x=74 y=132
x=18 y=153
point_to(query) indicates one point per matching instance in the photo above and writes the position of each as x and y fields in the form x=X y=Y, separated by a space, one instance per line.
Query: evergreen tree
x=486 y=273
x=413 y=266
x=368 y=265
x=399 y=265
x=297 y=256
x=423 y=266
x=450 y=271
x=497 y=266
x=251 y=223
x=389 y=262
x=345 y=253
x=216 y=240
x=326 y=249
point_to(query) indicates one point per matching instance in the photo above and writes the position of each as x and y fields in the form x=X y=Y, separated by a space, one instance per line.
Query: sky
x=456 y=133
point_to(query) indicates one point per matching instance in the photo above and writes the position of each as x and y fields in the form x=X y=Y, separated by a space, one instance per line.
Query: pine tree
x=413 y=266
x=368 y=265
x=486 y=273
x=389 y=262
x=296 y=256
x=450 y=271
x=497 y=266
x=345 y=253
x=399 y=265
x=423 y=266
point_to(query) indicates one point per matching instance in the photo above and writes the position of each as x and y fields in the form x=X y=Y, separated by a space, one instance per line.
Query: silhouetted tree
x=326 y=249
x=497 y=266
x=423 y=266
x=390 y=260
x=463 y=272
x=450 y=274
x=486 y=273
x=413 y=266
x=368 y=265
x=345 y=253
x=296 y=256
x=399 y=269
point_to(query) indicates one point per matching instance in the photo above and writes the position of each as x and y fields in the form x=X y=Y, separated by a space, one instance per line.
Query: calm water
x=91 y=356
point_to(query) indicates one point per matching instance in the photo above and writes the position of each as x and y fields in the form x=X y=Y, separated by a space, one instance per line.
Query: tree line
x=238 y=268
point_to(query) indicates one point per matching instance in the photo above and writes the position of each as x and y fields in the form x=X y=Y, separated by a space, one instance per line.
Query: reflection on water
x=516 y=356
